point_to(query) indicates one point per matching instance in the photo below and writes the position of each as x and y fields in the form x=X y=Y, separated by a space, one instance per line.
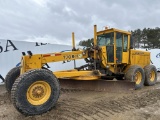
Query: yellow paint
x=138 y=78
x=125 y=56
x=73 y=40
x=112 y=30
x=115 y=48
x=152 y=76
x=103 y=56
x=141 y=58
x=38 y=60
x=78 y=75
x=95 y=42
x=129 y=57
x=38 y=93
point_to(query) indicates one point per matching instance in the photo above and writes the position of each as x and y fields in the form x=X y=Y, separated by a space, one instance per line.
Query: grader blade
x=97 y=85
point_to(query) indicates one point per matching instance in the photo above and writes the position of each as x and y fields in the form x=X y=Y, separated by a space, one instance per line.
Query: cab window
x=105 y=39
x=125 y=43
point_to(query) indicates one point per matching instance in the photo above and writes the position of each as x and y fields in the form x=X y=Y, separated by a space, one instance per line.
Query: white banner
x=11 y=52
x=155 y=57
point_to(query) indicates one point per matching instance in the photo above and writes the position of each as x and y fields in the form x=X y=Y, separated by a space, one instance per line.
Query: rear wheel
x=35 y=92
x=135 y=74
x=150 y=75
x=10 y=78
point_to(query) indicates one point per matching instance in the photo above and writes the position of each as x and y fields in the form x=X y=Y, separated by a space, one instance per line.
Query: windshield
x=105 y=39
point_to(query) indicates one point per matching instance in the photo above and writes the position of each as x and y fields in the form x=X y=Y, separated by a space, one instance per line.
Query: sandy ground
x=141 y=104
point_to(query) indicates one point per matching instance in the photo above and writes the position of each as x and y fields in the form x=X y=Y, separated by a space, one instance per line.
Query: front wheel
x=35 y=92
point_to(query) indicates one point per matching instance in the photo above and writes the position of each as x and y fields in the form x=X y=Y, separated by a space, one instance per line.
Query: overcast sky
x=53 y=21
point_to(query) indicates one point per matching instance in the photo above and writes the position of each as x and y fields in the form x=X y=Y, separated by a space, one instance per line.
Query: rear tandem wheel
x=150 y=75
x=136 y=74
x=35 y=92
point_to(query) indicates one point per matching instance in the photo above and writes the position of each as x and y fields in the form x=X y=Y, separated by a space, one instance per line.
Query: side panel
x=141 y=58
x=125 y=57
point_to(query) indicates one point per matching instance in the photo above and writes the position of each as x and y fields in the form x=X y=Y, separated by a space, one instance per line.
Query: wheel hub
x=152 y=76
x=138 y=78
x=38 y=93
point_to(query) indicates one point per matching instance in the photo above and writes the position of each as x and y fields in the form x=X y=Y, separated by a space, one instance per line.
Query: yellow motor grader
x=35 y=89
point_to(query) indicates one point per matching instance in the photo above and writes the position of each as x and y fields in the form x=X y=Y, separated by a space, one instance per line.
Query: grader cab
x=35 y=89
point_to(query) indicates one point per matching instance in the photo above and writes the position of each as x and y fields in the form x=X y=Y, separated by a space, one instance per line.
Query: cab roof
x=113 y=30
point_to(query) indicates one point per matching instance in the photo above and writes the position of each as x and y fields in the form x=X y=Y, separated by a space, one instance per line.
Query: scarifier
x=35 y=89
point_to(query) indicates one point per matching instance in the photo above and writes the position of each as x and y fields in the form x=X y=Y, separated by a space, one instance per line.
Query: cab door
x=125 y=55
x=119 y=45
x=122 y=51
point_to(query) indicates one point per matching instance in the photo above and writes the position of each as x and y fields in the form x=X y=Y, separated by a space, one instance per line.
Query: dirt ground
x=141 y=104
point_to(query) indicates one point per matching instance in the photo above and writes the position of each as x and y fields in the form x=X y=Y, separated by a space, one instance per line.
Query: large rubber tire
x=136 y=74
x=10 y=78
x=150 y=75
x=25 y=83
